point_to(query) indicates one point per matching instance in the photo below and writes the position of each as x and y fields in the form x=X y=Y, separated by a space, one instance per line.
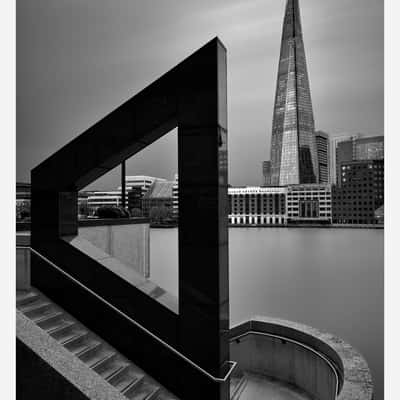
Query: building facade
x=83 y=207
x=322 y=139
x=309 y=204
x=294 y=157
x=135 y=197
x=23 y=192
x=355 y=148
x=138 y=181
x=175 y=198
x=266 y=171
x=336 y=159
x=159 y=195
x=99 y=199
x=369 y=148
x=360 y=194
x=257 y=205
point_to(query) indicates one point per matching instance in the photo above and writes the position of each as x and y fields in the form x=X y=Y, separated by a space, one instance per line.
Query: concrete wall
x=129 y=243
x=23 y=261
x=23 y=269
x=285 y=361
x=317 y=362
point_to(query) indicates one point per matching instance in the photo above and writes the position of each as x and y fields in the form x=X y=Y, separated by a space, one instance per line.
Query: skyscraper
x=323 y=156
x=266 y=170
x=293 y=151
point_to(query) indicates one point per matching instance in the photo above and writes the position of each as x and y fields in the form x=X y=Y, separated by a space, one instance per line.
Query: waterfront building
x=105 y=198
x=322 y=139
x=257 y=205
x=360 y=194
x=266 y=170
x=175 y=197
x=135 y=196
x=294 y=157
x=23 y=192
x=345 y=151
x=23 y=201
x=310 y=203
x=158 y=195
x=355 y=148
x=83 y=207
x=138 y=181
x=380 y=215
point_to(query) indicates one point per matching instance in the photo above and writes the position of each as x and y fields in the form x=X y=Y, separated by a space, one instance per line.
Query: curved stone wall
x=321 y=364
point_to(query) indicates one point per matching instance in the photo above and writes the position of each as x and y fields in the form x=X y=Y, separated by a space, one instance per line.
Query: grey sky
x=79 y=59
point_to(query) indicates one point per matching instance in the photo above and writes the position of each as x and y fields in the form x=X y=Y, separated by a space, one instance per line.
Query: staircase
x=98 y=355
x=119 y=372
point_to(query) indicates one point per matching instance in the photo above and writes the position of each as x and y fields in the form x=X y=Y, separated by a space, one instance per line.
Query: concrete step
x=125 y=380
x=60 y=331
x=24 y=297
x=121 y=373
x=144 y=391
x=37 y=309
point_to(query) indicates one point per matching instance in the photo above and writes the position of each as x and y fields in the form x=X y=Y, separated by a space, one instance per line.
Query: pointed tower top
x=292 y=22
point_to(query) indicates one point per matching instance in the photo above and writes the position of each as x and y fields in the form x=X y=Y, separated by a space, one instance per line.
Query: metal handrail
x=159 y=340
x=286 y=339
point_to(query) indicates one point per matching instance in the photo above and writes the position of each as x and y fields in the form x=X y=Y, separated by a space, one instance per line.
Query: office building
x=83 y=207
x=158 y=195
x=369 y=148
x=257 y=205
x=175 y=197
x=355 y=148
x=322 y=139
x=294 y=157
x=360 y=194
x=135 y=196
x=343 y=156
x=99 y=199
x=23 y=192
x=309 y=204
x=138 y=181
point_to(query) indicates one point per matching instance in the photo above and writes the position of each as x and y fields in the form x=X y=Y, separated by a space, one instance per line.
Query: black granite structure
x=192 y=97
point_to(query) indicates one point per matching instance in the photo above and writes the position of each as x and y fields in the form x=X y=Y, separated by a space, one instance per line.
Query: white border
x=7 y=168
x=392 y=220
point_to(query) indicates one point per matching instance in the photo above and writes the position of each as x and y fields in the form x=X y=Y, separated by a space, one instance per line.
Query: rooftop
x=160 y=190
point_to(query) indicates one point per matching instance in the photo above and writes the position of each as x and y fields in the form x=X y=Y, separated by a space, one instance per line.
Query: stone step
x=121 y=373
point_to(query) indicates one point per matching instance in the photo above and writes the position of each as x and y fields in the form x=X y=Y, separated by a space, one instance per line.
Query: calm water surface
x=331 y=279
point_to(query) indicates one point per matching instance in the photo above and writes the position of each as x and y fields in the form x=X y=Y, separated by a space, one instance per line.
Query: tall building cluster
x=348 y=169
x=310 y=177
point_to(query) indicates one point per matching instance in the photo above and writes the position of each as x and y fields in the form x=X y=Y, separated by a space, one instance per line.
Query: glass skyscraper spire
x=293 y=150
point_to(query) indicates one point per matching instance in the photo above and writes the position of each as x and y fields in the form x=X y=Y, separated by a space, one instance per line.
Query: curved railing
x=321 y=364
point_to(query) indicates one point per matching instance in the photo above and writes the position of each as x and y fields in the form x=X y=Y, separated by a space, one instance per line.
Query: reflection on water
x=331 y=279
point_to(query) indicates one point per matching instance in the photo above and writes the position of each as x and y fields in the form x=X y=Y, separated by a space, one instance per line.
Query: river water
x=331 y=279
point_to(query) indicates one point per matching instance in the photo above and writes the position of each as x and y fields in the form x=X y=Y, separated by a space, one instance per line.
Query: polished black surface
x=192 y=96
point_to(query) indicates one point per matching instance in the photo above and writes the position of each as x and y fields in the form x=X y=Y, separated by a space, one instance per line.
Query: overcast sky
x=79 y=59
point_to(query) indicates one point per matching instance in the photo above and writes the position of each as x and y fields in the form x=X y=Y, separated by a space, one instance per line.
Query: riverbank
x=333 y=226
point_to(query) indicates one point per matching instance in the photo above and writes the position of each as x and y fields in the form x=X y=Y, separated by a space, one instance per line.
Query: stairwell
x=113 y=367
x=130 y=380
